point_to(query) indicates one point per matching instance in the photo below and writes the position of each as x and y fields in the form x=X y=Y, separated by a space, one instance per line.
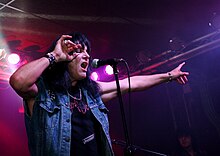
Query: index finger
x=64 y=37
x=181 y=65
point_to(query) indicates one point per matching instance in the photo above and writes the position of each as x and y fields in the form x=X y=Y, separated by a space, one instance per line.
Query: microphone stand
x=137 y=148
x=129 y=148
x=128 y=151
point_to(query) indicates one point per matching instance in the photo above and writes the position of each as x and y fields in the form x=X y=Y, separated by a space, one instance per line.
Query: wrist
x=51 y=58
x=56 y=56
x=170 y=77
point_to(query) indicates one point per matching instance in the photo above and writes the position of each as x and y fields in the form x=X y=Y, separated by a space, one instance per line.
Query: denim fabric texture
x=49 y=126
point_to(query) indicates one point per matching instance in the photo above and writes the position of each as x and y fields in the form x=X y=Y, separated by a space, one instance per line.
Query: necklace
x=75 y=98
x=78 y=102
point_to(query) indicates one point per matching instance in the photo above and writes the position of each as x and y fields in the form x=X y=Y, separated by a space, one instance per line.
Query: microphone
x=96 y=63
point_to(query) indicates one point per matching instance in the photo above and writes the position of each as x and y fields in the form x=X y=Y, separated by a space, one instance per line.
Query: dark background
x=127 y=29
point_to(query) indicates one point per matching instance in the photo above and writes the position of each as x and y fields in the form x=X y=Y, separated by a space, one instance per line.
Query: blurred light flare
x=109 y=70
x=94 y=76
x=13 y=58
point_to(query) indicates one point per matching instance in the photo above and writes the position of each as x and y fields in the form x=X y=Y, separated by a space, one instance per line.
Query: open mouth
x=84 y=65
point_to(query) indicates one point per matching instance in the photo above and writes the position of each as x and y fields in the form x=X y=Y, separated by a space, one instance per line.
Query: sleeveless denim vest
x=49 y=127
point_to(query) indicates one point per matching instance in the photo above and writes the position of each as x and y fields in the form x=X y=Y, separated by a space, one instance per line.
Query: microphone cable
x=129 y=100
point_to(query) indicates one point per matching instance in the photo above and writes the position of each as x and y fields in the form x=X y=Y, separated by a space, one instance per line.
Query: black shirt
x=85 y=128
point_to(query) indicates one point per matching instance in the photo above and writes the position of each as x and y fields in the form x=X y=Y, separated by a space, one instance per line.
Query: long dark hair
x=58 y=74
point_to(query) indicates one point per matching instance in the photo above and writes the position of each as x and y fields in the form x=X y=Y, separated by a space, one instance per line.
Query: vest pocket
x=49 y=115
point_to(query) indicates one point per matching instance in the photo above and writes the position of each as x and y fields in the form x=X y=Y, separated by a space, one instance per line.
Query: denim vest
x=49 y=127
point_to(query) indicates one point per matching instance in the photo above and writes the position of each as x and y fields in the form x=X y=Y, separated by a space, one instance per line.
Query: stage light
x=94 y=76
x=13 y=58
x=109 y=70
